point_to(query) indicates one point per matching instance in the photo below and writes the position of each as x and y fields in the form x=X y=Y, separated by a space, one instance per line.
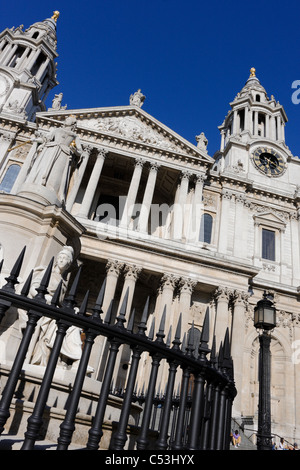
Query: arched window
x=9 y=178
x=206 y=228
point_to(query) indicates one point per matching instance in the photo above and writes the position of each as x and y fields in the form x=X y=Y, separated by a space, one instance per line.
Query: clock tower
x=253 y=137
x=27 y=68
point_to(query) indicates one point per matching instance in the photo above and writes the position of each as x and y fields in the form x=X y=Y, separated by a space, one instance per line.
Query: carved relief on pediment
x=131 y=128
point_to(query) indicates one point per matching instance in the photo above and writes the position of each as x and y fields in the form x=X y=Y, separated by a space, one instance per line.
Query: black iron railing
x=191 y=421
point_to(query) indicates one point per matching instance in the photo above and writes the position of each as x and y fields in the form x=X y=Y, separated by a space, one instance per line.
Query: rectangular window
x=268 y=244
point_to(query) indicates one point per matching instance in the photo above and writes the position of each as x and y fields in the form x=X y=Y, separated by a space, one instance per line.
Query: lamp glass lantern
x=265 y=314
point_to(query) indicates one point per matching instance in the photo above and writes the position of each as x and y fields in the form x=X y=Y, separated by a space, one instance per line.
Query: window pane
x=268 y=244
x=9 y=178
x=205 y=228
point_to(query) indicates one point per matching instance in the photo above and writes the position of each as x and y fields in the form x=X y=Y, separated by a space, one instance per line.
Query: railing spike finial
x=97 y=309
x=176 y=341
x=107 y=317
x=131 y=321
x=151 y=331
x=83 y=306
x=168 y=342
x=121 y=319
x=203 y=347
x=42 y=289
x=160 y=334
x=190 y=341
x=213 y=357
x=143 y=323
x=56 y=296
x=70 y=301
x=12 y=279
x=26 y=287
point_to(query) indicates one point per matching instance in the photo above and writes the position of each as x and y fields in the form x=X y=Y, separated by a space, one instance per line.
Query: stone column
x=99 y=351
x=179 y=206
x=148 y=197
x=279 y=134
x=6 y=139
x=168 y=285
x=9 y=54
x=131 y=275
x=295 y=236
x=185 y=300
x=255 y=122
x=197 y=209
x=132 y=193
x=92 y=184
x=267 y=125
x=224 y=220
x=237 y=345
x=240 y=234
x=123 y=358
x=79 y=173
x=235 y=122
x=42 y=69
x=222 y=314
x=272 y=128
x=246 y=119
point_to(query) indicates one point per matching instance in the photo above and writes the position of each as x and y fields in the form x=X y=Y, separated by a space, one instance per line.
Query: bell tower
x=27 y=68
x=253 y=133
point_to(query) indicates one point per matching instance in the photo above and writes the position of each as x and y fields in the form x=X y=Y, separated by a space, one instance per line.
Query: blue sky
x=190 y=58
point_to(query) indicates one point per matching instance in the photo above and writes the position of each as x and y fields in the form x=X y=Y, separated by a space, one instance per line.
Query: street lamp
x=265 y=320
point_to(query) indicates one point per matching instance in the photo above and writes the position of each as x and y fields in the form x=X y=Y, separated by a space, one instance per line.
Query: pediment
x=132 y=124
x=270 y=219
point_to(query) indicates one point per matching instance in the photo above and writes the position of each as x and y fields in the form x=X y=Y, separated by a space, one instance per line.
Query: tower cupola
x=27 y=67
x=253 y=115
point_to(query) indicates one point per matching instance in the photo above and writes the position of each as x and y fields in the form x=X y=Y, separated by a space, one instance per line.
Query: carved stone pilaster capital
x=200 y=178
x=6 y=136
x=226 y=194
x=87 y=149
x=154 y=166
x=185 y=175
x=114 y=267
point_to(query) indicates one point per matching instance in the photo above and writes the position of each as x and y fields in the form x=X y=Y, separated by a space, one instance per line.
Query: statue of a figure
x=202 y=141
x=46 y=327
x=137 y=98
x=56 y=155
x=56 y=102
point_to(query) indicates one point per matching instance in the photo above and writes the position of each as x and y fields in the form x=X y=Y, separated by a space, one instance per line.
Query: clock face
x=268 y=161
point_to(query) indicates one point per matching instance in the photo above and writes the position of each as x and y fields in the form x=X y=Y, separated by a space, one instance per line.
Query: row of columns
x=272 y=128
x=181 y=229
x=228 y=309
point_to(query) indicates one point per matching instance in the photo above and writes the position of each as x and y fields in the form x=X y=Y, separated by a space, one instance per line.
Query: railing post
x=35 y=421
x=96 y=432
x=16 y=368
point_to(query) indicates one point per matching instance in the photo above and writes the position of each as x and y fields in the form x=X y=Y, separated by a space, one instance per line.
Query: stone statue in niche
x=46 y=327
x=137 y=98
x=55 y=158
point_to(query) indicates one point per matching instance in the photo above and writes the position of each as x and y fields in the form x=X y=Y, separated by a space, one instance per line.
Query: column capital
x=139 y=162
x=222 y=294
x=154 y=166
x=185 y=175
x=132 y=271
x=187 y=285
x=226 y=194
x=239 y=297
x=169 y=281
x=114 y=267
x=200 y=178
x=101 y=152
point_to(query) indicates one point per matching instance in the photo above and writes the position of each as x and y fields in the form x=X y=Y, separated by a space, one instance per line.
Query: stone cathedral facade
x=156 y=214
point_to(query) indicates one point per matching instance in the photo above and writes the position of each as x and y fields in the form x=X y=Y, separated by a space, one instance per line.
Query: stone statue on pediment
x=137 y=98
x=202 y=141
x=56 y=103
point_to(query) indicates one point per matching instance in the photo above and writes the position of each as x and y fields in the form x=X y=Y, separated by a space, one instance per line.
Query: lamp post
x=265 y=320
